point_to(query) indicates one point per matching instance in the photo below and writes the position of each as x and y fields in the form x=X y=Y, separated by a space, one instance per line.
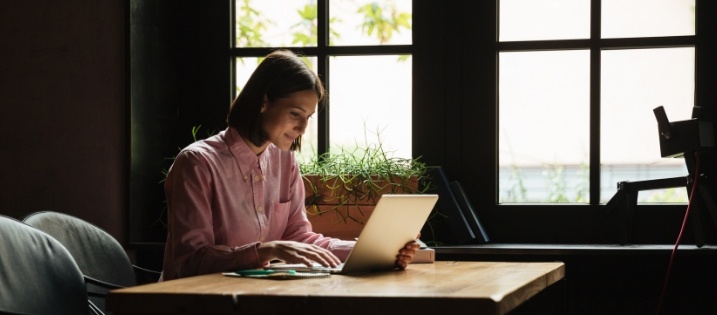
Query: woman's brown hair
x=281 y=73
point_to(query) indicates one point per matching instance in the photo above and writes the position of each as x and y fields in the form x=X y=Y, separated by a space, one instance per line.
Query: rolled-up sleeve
x=299 y=228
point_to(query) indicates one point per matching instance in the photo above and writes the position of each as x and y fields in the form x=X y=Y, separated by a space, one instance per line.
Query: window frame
x=462 y=112
x=595 y=45
x=323 y=51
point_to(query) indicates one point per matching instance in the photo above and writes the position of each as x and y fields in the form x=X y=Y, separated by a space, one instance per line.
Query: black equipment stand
x=687 y=139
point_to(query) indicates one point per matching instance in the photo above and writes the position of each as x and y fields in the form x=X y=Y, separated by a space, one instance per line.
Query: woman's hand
x=297 y=253
x=405 y=255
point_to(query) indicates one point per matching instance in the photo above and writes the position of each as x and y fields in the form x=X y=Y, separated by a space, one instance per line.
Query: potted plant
x=342 y=188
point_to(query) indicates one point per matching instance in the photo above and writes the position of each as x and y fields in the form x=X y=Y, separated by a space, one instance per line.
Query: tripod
x=703 y=203
x=694 y=140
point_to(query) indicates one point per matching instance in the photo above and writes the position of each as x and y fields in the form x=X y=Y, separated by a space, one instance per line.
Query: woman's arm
x=298 y=227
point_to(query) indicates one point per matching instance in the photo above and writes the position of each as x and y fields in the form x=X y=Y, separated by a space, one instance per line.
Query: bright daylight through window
x=369 y=86
x=546 y=94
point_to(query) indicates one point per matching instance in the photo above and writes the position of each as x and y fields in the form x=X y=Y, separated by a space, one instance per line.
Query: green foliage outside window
x=383 y=20
x=380 y=20
x=250 y=26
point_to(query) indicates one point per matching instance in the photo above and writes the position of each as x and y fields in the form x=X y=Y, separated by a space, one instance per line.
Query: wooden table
x=439 y=288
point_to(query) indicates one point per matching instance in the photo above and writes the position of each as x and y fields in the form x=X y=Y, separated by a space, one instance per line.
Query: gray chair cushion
x=96 y=252
x=38 y=275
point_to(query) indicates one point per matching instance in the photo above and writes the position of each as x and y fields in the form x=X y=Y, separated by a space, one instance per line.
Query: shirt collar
x=244 y=156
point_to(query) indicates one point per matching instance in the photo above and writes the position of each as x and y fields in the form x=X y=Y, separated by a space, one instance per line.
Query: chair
x=38 y=274
x=102 y=260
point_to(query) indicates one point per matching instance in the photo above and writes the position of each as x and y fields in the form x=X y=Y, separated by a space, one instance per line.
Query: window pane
x=647 y=18
x=367 y=22
x=544 y=126
x=245 y=67
x=544 y=19
x=634 y=82
x=275 y=23
x=370 y=103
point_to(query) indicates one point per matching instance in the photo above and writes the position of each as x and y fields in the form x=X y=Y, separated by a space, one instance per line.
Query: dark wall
x=63 y=110
x=179 y=69
x=74 y=92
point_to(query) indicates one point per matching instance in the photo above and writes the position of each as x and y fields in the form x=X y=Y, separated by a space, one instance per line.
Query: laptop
x=396 y=220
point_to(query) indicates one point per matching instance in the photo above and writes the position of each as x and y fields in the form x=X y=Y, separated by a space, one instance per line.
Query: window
x=578 y=80
x=360 y=48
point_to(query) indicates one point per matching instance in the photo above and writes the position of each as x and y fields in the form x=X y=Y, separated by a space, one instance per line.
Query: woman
x=236 y=199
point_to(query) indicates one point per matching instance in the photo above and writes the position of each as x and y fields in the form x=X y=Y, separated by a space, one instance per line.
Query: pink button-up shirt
x=224 y=200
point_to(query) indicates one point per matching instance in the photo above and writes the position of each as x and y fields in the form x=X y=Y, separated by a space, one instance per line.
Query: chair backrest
x=97 y=253
x=37 y=273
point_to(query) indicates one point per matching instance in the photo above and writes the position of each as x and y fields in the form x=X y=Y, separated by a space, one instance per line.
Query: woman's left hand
x=405 y=255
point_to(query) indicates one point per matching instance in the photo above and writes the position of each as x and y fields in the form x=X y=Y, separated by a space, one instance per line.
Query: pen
x=264 y=272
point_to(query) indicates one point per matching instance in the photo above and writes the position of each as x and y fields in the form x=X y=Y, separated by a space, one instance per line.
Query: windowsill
x=569 y=249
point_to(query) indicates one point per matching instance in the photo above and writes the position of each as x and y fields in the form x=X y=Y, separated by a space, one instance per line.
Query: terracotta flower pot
x=340 y=206
x=343 y=222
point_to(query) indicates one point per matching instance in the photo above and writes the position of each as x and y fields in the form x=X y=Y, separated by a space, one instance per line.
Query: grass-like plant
x=358 y=177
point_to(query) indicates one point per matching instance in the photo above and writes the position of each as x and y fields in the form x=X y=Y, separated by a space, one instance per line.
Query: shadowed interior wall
x=63 y=115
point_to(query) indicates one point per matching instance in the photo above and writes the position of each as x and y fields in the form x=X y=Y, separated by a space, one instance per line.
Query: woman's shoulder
x=211 y=144
x=206 y=149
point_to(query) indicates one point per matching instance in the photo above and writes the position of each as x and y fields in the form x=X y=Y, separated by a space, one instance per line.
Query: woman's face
x=286 y=118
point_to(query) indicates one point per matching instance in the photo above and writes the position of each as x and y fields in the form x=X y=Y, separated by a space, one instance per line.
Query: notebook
x=396 y=220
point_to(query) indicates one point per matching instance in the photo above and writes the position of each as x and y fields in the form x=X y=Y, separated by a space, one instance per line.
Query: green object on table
x=264 y=272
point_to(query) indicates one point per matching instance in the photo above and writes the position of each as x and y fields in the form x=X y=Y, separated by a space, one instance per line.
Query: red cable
x=682 y=229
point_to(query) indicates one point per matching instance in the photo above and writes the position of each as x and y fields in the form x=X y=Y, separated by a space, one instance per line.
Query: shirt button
x=256 y=178
x=259 y=208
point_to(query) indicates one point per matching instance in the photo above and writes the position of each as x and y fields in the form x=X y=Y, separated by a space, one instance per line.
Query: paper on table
x=279 y=275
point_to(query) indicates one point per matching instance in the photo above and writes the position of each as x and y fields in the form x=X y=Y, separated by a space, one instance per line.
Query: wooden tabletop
x=478 y=287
